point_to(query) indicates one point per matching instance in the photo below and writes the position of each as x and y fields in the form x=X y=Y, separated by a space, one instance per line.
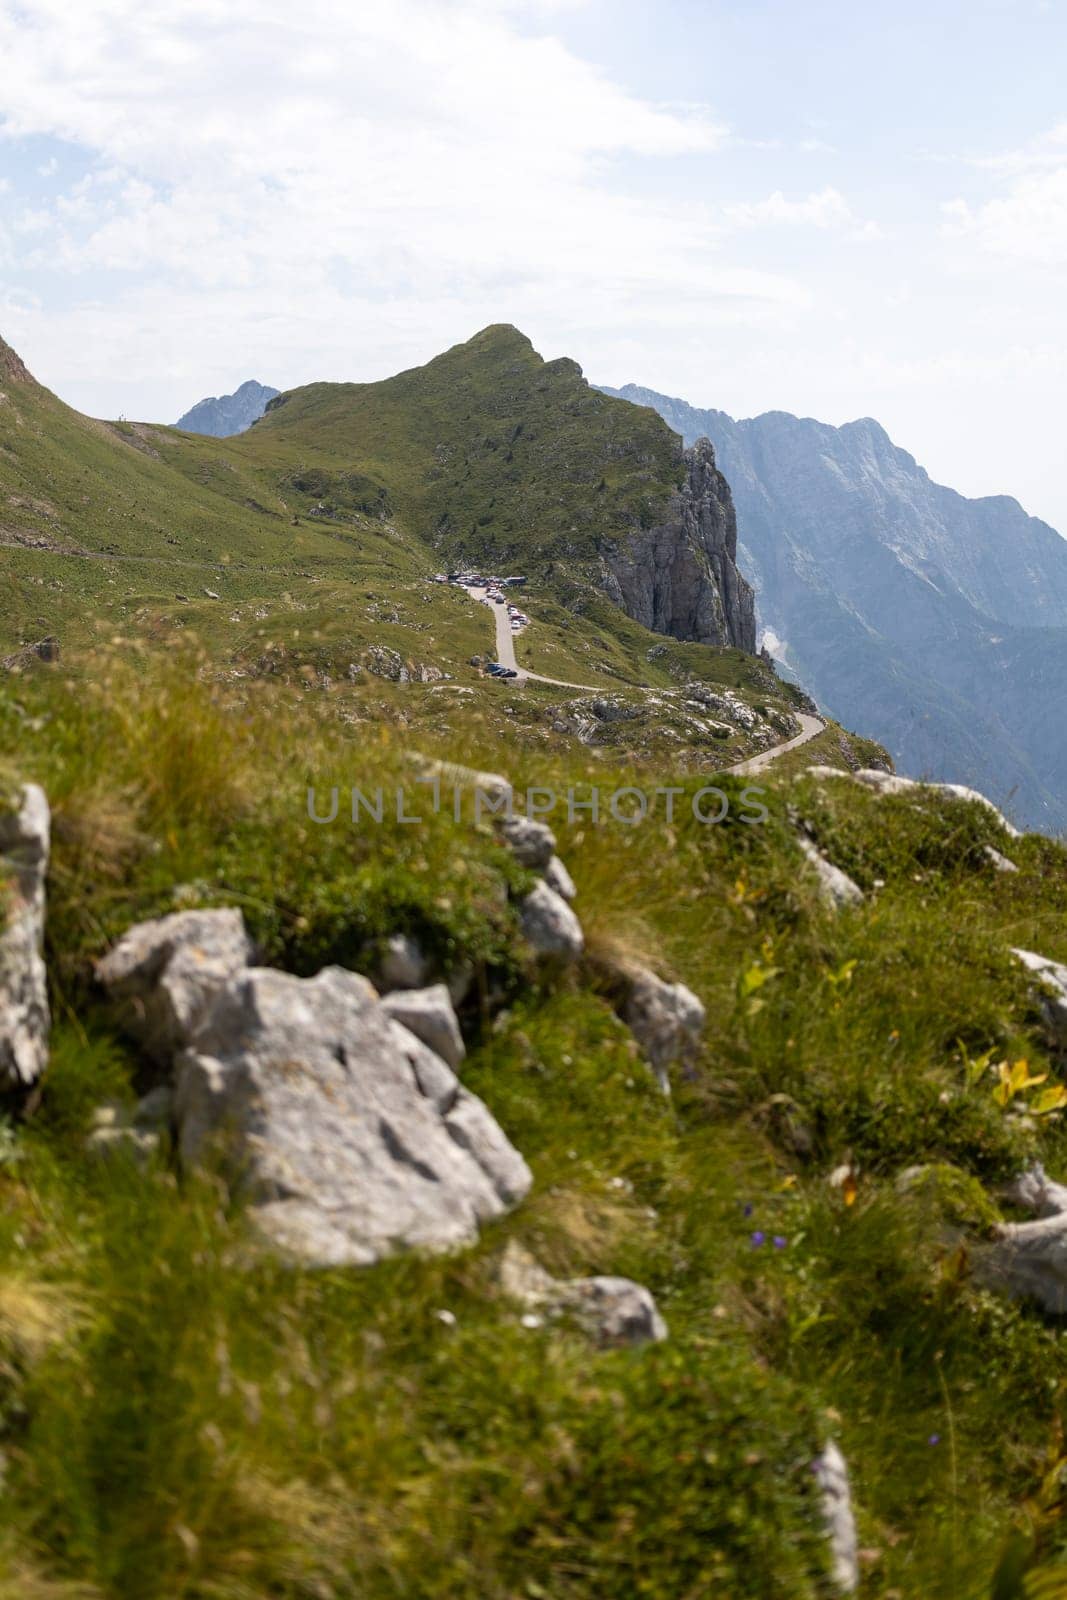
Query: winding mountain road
x=505 y=654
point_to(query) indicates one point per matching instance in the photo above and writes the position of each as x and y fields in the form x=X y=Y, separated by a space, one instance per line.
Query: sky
x=828 y=208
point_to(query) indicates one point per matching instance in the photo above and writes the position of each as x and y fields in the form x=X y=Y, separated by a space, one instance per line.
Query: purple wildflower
x=758 y=1238
x=746 y=1210
x=780 y=1241
x=935 y=1438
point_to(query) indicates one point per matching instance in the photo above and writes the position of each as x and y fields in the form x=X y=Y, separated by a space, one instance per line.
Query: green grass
x=326 y=519
x=184 y=1418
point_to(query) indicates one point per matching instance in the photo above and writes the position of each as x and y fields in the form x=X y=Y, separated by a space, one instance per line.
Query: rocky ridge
x=680 y=577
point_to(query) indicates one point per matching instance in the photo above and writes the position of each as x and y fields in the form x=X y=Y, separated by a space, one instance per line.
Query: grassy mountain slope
x=486 y=451
x=181 y=1418
x=306 y=546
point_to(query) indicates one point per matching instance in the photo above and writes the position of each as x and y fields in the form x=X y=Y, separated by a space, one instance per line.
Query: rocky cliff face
x=680 y=577
x=12 y=367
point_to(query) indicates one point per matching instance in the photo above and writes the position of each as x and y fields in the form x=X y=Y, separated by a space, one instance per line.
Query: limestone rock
x=24 y=1015
x=1034 y=1191
x=831 y=1475
x=404 y=966
x=559 y=879
x=351 y=1138
x=1052 y=981
x=428 y=1014
x=999 y=862
x=611 y=1311
x=165 y=974
x=681 y=577
x=530 y=842
x=1029 y=1262
x=666 y=1019
x=836 y=888
x=550 y=925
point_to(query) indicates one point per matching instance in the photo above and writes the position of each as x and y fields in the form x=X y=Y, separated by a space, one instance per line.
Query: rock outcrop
x=836 y=888
x=1029 y=1262
x=165 y=974
x=349 y=1136
x=549 y=925
x=831 y=1475
x=24 y=1017
x=1051 y=986
x=680 y=577
x=610 y=1311
x=666 y=1019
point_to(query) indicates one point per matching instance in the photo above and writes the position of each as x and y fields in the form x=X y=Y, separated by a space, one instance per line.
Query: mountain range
x=936 y=623
x=224 y=415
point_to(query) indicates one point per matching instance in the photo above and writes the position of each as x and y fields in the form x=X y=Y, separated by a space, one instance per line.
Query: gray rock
x=1052 y=988
x=666 y=1019
x=611 y=1311
x=404 y=966
x=530 y=842
x=24 y=1015
x=549 y=924
x=998 y=861
x=835 y=887
x=681 y=577
x=350 y=1137
x=155 y=1109
x=428 y=1014
x=1034 y=1191
x=165 y=974
x=559 y=879
x=831 y=1475
x=1029 y=1262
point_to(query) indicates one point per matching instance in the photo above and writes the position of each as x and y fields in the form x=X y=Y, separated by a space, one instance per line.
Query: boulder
x=1052 y=990
x=404 y=966
x=836 y=888
x=559 y=879
x=1000 y=863
x=164 y=974
x=428 y=1014
x=1029 y=1262
x=549 y=924
x=530 y=842
x=24 y=1015
x=831 y=1475
x=666 y=1019
x=1034 y=1191
x=350 y=1137
x=611 y=1311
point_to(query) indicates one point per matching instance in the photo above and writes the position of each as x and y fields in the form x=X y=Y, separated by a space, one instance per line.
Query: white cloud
x=353 y=176
x=827 y=209
x=1026 y=222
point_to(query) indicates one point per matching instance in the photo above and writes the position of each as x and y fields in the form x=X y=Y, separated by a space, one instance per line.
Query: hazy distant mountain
x=229 y=413
x=931 y=622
